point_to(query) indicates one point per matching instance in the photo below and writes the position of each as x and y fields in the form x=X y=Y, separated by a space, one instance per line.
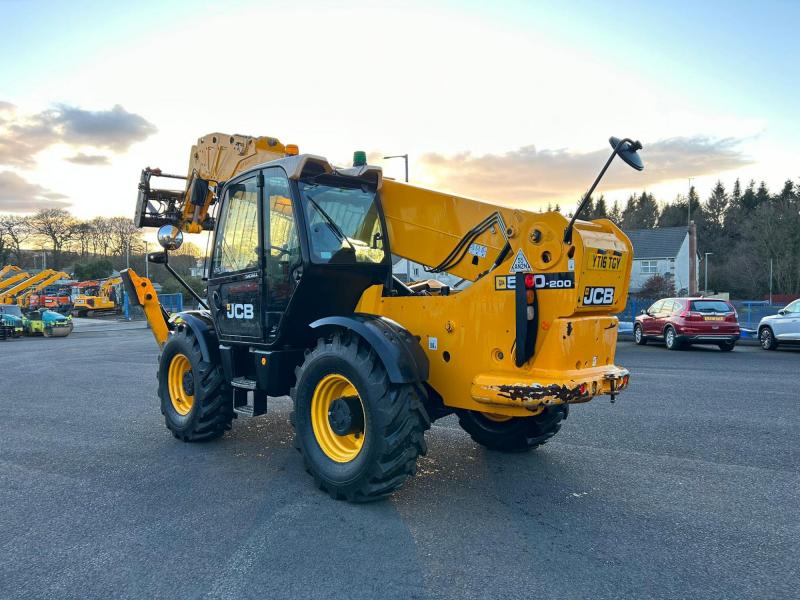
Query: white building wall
x=677 y=267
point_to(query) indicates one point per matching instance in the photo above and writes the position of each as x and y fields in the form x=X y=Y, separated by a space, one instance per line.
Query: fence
x=171 y=302
x=750 y=311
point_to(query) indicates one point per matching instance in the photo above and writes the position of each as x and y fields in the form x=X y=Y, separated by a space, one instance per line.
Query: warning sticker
x=520 y=264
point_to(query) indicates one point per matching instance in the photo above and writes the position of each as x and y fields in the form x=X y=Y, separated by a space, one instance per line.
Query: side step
x=242 y=388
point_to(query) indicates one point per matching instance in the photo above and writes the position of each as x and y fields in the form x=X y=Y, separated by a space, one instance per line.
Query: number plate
x=604 y=261
x=713 y=318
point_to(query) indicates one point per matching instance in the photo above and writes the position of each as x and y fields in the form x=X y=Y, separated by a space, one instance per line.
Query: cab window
x=282 y=241
x=656 y=308
x=236 y=246
x=794 y=307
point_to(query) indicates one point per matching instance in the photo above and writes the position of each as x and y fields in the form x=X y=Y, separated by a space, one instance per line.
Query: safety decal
x=520 y=264
x=478 y=250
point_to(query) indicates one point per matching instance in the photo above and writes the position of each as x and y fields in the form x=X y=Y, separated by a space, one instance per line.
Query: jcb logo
x=240 y=311
x=598 y=296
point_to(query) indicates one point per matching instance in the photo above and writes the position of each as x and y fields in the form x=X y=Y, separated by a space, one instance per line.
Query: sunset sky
x=512 y=102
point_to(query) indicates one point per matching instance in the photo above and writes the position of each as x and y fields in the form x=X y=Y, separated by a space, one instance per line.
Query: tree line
x=87 y=249
x=745 y=229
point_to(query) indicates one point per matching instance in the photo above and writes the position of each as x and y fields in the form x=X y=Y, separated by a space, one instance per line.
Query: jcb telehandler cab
x=301 y=300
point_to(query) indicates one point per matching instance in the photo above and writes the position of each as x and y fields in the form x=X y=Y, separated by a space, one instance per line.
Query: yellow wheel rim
x=497 y=418
x=178 y=368
x=339 y=448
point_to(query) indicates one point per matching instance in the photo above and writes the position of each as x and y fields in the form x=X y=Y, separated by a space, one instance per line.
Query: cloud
x=89 y=159
x=20 y=196
x=24 y=136
x=529 y=174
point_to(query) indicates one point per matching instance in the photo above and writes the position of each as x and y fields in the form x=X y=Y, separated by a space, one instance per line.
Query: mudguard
x=199 y=321
x=399 y=351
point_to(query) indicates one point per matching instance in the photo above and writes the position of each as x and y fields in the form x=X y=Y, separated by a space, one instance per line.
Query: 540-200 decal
x=542 y=281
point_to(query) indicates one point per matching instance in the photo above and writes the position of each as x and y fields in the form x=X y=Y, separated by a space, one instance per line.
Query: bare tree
x=15 y=230
x=57 y=227
x=125 y=236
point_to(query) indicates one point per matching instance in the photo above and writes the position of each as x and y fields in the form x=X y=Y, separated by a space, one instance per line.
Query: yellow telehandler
x=301 y=300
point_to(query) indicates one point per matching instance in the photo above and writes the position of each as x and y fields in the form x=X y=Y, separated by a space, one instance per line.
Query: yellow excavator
x=99 y=299
x=8 y=270
x=13 y=294
x=13 y=280
x=301 y=300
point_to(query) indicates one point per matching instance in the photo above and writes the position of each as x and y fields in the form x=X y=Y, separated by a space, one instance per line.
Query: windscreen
x=710 y=306
x=343 y=223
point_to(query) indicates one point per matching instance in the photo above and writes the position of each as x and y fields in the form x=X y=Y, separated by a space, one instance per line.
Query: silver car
x=783 y=328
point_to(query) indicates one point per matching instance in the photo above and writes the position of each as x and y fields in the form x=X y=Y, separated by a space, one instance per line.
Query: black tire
x=518 y=434
x=767 y=339
x=671 y=339
x=211 y=412
x=638 y=335
x=727 y=346
x=394 y=420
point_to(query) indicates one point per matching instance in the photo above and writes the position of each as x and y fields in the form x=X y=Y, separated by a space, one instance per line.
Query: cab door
x=283 y=265
x=235 y=277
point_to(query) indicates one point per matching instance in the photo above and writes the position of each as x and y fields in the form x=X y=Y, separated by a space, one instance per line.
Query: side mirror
x=158 y=258
x=170 y=237
x=782 y=312
x=627 y=152
x=644 y=312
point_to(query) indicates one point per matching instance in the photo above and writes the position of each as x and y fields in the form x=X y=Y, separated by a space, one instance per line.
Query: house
x=661 y=251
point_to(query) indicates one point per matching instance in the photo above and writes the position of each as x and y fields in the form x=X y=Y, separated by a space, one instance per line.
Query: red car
x=681 y=322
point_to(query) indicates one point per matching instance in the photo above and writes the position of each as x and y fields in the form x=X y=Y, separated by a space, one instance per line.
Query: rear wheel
x=767 y=339
x=638 y=335
x=513 y=434
x=195 y=404
x=727 y=346
x=359 y=434
x=671 y=339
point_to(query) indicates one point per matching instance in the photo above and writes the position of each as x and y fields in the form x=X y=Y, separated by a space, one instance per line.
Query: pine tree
x=600 y=210
x=762 y=194
x=614 y=214
x=716 y=208
x=749 y=202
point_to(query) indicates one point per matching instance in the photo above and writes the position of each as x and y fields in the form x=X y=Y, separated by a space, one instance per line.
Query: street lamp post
x=705 y=287
x=405 y=159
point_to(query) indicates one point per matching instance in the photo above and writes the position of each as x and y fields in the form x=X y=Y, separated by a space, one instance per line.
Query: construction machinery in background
x=8 y=270
x=301 y=300
x=24 y=298
x=19 y=293
x=98 y=298
x=13 y=279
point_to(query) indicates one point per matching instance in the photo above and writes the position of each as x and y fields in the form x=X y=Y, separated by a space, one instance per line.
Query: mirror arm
x=174 y=273
x=588 y=195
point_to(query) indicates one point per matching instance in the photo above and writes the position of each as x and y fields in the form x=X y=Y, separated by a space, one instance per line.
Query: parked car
x=680 y=322
x=783 y=328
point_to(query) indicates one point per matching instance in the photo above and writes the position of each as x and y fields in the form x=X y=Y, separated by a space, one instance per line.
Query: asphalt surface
x=687 y=487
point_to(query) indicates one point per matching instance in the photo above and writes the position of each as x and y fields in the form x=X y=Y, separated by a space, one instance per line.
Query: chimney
x=692 y=259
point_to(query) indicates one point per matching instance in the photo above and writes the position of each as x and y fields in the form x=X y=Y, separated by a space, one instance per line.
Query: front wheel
x=513 y=434
x=767 y=339
x=195 y=404
x=359 y=434
x=638 y=335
